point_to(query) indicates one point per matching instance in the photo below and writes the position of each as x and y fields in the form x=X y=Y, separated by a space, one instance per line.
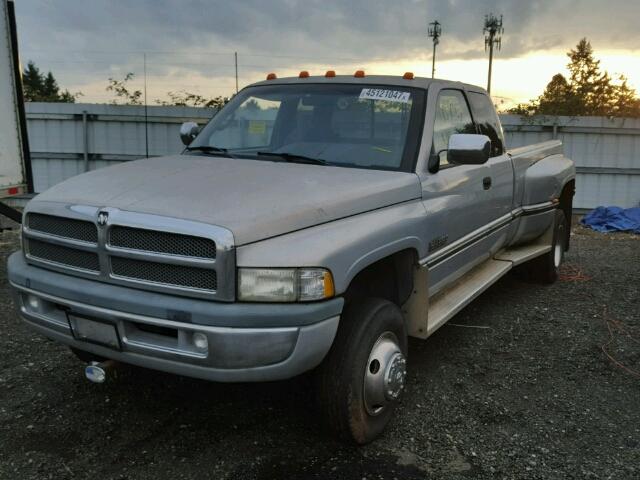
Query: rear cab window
x=487 y=121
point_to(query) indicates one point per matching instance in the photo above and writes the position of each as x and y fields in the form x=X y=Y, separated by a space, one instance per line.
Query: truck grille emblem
x=102 y=218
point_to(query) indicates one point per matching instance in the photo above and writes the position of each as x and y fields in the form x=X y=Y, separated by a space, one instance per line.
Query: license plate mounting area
x=94 y=330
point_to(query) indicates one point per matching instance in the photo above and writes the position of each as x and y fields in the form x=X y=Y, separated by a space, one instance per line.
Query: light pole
x=492 y=30
x=435 y=30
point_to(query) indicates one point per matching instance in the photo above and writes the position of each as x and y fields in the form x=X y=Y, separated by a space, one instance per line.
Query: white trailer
x=15 y=174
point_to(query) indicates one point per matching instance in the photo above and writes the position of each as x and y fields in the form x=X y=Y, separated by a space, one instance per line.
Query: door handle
x=486 y=183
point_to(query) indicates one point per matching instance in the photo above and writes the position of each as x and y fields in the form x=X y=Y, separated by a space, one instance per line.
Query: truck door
x=457 y=199
x=500 y=165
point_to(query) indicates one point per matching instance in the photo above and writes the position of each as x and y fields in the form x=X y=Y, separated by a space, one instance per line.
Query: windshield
x=362 y=126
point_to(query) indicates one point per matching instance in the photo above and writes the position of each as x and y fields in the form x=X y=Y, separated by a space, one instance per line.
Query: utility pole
x=435 y=30
x=146 y=116
x=235 y=55
x=492 y=31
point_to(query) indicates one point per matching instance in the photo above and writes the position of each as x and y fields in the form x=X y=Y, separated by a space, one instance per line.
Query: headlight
x=284 y=284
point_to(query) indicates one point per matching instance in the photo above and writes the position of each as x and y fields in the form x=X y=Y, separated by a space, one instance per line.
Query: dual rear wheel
x=546 y=268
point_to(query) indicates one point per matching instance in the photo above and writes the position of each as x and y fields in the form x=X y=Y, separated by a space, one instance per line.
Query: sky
x=189 y=44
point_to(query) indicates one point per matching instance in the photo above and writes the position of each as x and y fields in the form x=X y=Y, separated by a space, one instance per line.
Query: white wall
x=114 y=133
x=606 y=151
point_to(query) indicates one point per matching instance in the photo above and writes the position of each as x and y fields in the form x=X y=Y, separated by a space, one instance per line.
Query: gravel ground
x=515 y=386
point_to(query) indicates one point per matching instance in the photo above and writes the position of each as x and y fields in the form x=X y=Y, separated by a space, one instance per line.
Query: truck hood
x=254 y=199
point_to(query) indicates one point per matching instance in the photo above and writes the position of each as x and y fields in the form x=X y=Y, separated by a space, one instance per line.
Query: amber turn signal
x=329 y=288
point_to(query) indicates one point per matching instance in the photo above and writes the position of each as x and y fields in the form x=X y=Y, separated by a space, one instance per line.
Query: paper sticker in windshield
x=257 y=127
x=384 y=94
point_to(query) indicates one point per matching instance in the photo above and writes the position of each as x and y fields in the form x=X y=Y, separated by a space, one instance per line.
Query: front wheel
x=363 y=375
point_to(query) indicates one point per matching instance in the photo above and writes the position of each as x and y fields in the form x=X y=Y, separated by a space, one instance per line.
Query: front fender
x=345 y=246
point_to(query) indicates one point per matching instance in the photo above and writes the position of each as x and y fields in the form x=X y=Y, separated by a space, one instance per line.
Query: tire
x=546 y=268
x=362 y=377
x=86 y=357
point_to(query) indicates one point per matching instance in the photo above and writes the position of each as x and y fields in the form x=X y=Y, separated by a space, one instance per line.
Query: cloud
x=85 y=41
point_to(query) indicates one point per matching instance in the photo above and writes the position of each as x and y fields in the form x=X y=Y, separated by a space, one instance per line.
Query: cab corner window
x=487 y=120
x=452 y=116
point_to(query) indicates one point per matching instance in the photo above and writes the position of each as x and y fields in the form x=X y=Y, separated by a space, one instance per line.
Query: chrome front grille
x=66 y=256
x=143 y=251
x=178 y=275
x=63 y=227
x=161 y=242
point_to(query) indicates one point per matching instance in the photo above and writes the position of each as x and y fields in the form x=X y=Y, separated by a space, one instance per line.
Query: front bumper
x=245 y=342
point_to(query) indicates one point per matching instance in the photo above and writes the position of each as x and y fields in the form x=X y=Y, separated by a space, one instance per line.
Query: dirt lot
x=516 y=386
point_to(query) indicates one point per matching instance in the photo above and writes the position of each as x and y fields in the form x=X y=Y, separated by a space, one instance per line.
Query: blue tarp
x=613 y=219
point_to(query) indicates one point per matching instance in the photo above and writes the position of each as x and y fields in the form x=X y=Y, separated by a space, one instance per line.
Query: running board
x=521 y=254
x=450 y=301
x=454 y=298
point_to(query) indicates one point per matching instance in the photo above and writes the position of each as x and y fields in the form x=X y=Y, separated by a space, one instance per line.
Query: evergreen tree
x=32 y=83
x=558 y=97
x=50 y=89
x=39 y=87
x=625 y=104
x=587 y=91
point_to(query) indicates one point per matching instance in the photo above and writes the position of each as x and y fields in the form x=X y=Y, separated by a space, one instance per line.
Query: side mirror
x=468 y=149
x=188 y=131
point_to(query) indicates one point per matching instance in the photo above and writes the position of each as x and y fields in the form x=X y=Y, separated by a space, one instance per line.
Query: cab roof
x=387 y=80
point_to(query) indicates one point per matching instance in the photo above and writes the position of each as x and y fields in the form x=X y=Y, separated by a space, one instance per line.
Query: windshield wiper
x=294 y=158
x=210 y=149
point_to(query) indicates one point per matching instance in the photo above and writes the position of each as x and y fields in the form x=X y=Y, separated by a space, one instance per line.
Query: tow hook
x=98 y=372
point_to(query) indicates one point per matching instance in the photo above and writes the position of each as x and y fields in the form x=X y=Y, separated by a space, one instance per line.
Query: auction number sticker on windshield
x=384 y=94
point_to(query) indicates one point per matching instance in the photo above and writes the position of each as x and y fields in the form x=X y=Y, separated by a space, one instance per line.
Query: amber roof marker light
x=408 y=76
x=303 y=74
x=330 y=74
x=359 y=74
x=271 y=76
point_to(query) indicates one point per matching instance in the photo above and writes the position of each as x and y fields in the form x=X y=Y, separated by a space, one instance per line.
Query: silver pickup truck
x=312 y=225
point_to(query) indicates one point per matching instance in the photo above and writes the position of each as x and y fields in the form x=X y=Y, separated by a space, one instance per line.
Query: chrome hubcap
x=558 y=249
x=557 y=254
x=384 y=373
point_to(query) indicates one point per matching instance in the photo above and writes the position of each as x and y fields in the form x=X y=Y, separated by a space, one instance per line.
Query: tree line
x=38 y=87
x=126 y=95
x=588 y=90
x=41 y=87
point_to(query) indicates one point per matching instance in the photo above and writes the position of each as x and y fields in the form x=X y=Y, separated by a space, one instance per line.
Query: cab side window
x=452 y=116
x=487 y=121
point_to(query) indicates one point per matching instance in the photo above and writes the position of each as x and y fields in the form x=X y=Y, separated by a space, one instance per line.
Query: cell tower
x=435 y=30
x=492 y=37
